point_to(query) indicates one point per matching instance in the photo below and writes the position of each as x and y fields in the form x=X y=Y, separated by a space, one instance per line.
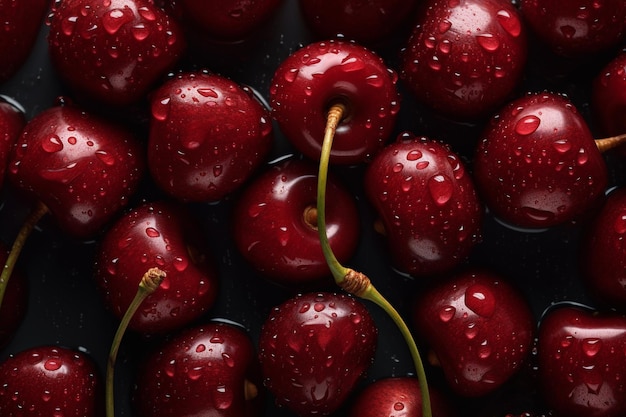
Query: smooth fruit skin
x=46 y=381
x=608 y=96
x=12 y=121
x=208 y=135
x=314 y=77
x=603 y=251
x=113 y=51
x=21 y=23
x=478 y=326
x=365 y=22
x=82 y=167
x=581 y=362
x=314 y=348
x=427 y=204
x=398 y=397
x=576 y=27
x=273 y=231
x=465 y=57
x=537 y=164
x=206 y=370
x=163 y=235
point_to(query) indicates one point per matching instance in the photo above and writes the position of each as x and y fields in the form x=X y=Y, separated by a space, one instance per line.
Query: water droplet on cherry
x=527 y=125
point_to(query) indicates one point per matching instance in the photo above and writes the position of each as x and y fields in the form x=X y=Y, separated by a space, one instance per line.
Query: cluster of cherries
x=425 y=115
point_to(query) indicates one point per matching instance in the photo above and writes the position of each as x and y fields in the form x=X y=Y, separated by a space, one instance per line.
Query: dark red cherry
x=275 y=224
x=427 y=205
x=608 y=98
x=207 y=136
x=165 y=236
x=537 y=164
x=207 y=370
x=12 y=121
x=465 y=57
x=313 y=78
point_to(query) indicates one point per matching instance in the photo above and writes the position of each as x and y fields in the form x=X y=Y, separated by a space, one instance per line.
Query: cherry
x=162 y=235
x=275 y=224
x=465 y=57
x=209 y=369
x=314 y=348
x=113 y=51
x=398 y=396
x=479 y=329
x=603 y=251
x=12 y=121
x=50 y=381
x=428 y=207
x=20 y=27
x=576 y=27
x=608 y=98
x=207 y=136
x=313 y=78
x=580 y=356
x=537 y=164
x=366 y=22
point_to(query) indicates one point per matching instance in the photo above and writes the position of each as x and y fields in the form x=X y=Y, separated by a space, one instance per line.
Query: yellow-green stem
x=605 y=144
x=31 y=221
x=350 y=280
x=149 y=283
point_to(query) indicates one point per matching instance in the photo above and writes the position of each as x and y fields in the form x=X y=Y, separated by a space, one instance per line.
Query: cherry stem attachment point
x=29 y=224
x=605 y=144
x=352 y=281
x=149 y=283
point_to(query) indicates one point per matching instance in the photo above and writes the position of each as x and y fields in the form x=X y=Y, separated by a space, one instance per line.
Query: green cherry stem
x=149 y=283
x=31 y=221
x=353 y=281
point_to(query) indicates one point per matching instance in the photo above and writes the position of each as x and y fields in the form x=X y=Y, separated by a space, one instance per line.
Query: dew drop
x=471 y=331
x=374 y=80
x=195 y=373
x=304 y=308
x=105 y=157
x=591 y=346
x=480 y=299
x=527 y=125
x=441 y=189
x=582 y=157
x=207 y=92
x=147 y=14
x=228 y=360
x=114 y=20
x=290 y=76
x=509 y=22
x=620 y=224
x=351 y=64
x=180 y=264
x=140 y=31
x=256 y=209
x=161 y=108
x=398 y=406
x=319 y=307
x=568 y=31
x=488 y=42
x=52 y=144
x=200 y=348
x=562 y=145
x=68 y=24
x=53 y=364
x=444 y=26
x=152 y=232
x=447 y=313
x=398 y=167
x=217 y=170
x=414 y=155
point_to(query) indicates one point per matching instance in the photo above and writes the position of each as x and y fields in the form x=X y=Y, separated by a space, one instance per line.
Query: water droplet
x=480 y=299
x=228 y=360
x=217 y=170
x=207 y=92
x=161 y=108
x=46 y=396
x=444 y=26
x=620 y=223
x=52 y=144
x=53 y=364
x=180 y=264
x=445 y=46
x=256 y=209
x=568 y=31
x=147 y=13
x=447 y=313
x=562 y=145
x=430 y=42
x=441 y=189
x=195 y=373
x=152 y=232
x=115 y=19
x=374 y=80
x=200 y=348
x=527 y=125
x=509 y=22
x=591 y=346
x=582 y=157
x=68 y=24
x=414 y=155
x=484 y=350
x=105 y=157
x=398 y=167
x=352 y=63
x=398 y=406
x=488 y=41
x=355 y=318
x=434 y=63
x=140 y=31
x=471 y=331
x=291 y=75
x=319 y=307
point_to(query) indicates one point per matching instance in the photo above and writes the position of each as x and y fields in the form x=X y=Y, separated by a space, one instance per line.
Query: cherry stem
x=149 y=283
x=352 y=281
x=31 y=221
x=605 y=144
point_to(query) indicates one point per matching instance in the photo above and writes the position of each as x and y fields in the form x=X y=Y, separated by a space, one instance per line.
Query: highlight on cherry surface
x=348 y=279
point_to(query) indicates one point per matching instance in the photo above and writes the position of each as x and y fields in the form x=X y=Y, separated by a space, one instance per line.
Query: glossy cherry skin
x=366 y=22
x=581 y=362
x=537 y=164
x=479 y=328
x=162 y=235
x=465 y=57
x=207 y=136
x=21 y=23
x=82 y=167
x=275 y=224
x=12 y=121
x=50 y=381
x=113 y=51
x=608 y=97
x=576 y=27
x=603 y=251
x=320 y=74
x=14 y=303
x=396 y=397
x=207 y=370
x=314 y=348
x=427 y=205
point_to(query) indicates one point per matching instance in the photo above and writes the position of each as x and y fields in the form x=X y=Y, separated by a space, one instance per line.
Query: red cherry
x=157 y=235
x=314 y=348
x=12 y=121
x=465 y=57
x=113 y=51
x=609 y=96
x=581 y=362
x=427 y=205
x=50 y=381
x=207 y=136
x=479 y=328
x=537 y=164
x=275 y=224
x=309 y=81
x=21 y=23
x=576 y=27
x=207 y=370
